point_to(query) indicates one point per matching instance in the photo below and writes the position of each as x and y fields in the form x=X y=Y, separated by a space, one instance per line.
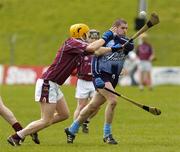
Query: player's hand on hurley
x=99 y=83
x=116 y=48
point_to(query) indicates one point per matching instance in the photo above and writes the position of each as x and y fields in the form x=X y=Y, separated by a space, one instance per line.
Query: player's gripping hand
x=126 y=43
x=116 y=48
x=107 y=36
x=99 y=83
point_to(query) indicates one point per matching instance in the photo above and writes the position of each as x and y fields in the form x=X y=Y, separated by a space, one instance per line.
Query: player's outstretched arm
x=96 y=46
x=92 y=47
x=102 y=50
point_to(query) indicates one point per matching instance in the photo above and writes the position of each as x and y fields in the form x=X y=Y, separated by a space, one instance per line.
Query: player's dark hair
x=119 y=21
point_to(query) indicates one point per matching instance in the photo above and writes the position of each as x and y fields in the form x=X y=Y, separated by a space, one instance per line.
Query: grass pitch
x=135 y=129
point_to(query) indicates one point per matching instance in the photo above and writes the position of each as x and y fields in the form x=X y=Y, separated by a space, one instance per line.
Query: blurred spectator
x=145 y=54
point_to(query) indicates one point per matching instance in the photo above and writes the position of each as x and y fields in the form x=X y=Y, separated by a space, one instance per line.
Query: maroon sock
x=17 y=126
x=15 y=136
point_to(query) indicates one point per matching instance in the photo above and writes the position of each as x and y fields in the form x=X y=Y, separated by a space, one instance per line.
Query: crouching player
x=106 y=70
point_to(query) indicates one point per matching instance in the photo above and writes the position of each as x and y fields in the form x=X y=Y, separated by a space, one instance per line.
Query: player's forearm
x=102 y=50
x=92 y=47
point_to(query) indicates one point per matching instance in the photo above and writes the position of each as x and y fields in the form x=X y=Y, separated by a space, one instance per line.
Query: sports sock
x=74 y=127
x=16 y=136
x=17 y=126
x=107 y=129
x=19 y=133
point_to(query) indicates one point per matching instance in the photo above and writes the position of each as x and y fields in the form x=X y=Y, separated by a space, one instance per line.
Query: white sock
x=19 y=133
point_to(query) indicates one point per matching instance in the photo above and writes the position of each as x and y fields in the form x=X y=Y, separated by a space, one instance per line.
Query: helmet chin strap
x=84 y=37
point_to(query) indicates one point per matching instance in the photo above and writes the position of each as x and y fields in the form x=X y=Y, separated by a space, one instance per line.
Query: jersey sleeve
x=77 y=46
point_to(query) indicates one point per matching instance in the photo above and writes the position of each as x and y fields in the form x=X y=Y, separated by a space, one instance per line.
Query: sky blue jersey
x=112 y=62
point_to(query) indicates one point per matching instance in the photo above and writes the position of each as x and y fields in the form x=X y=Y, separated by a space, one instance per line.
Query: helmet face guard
x=79 y=30
x=94 y=34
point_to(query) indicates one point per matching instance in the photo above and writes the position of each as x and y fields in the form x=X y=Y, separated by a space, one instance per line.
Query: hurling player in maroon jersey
x=52 y=102
x=146 y=55
x=85 y=88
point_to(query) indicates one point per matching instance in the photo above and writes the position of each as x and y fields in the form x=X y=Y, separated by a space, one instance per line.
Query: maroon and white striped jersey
x=84 y=68
x=66 y=61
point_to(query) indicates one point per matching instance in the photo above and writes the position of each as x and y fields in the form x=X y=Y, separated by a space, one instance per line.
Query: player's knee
x=113 y=102
x=65 y=115
x=113 y=99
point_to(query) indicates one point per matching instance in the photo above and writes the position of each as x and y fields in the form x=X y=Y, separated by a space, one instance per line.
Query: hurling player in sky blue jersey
x=106 y=70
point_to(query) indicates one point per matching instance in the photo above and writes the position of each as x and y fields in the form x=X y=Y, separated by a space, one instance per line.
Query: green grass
x=40 y=26
x=135 y=129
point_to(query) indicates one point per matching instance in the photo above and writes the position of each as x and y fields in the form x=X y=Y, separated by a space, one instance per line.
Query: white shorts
x=145 y=66
x=50 y=91
x=84 y=89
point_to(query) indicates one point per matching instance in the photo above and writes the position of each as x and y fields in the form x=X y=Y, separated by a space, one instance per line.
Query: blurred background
x=31 y=31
